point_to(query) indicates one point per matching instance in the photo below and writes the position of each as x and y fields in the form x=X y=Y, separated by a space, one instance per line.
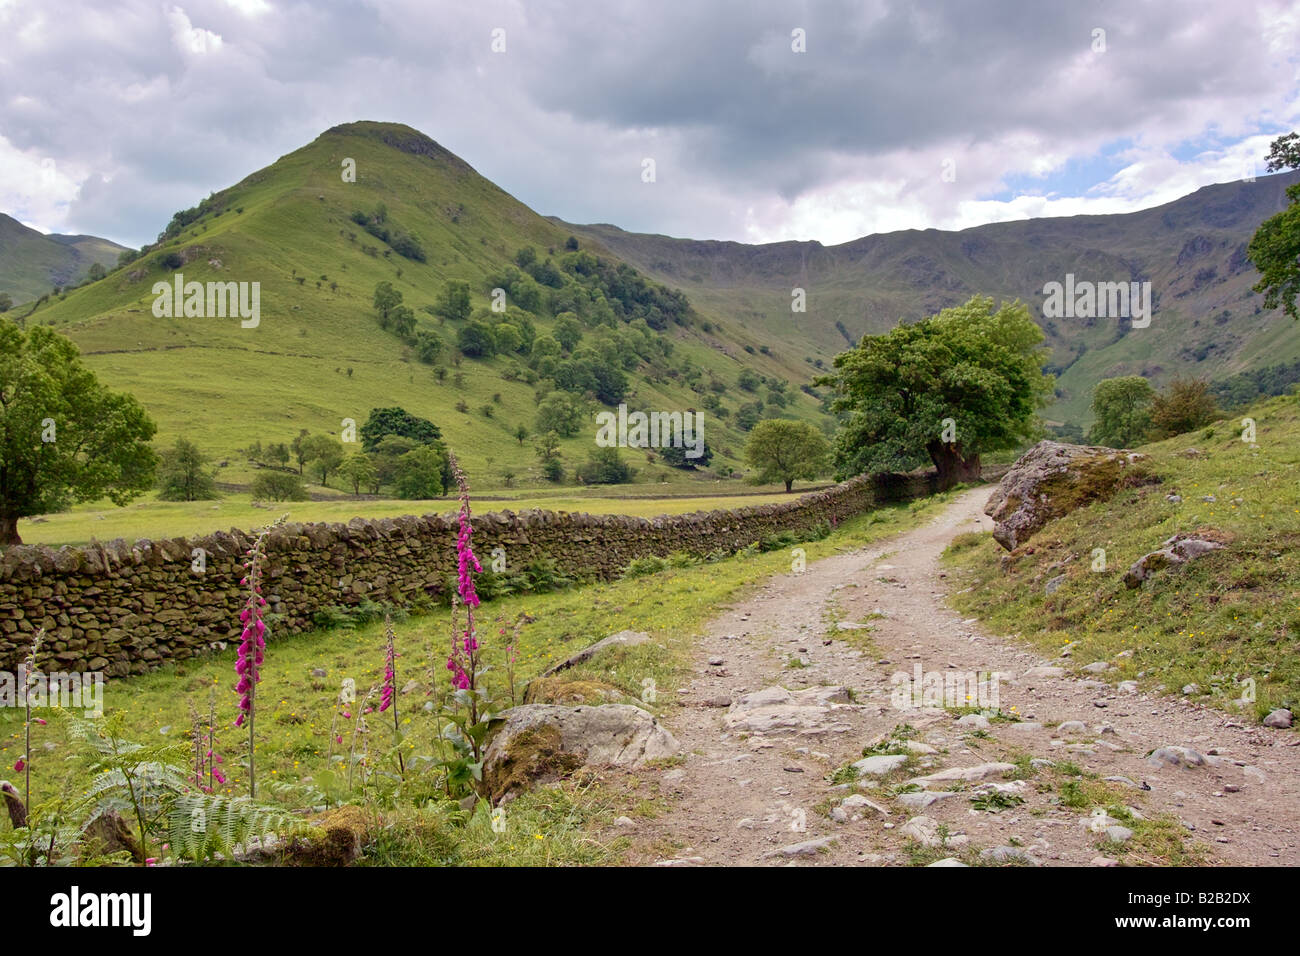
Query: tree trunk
x=789 y=483
x=953 y=469
x=9 y=530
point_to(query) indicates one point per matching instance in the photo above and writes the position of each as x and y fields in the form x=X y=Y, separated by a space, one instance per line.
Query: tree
x=1185 y=405
x=181 y=476
x=749 y=415
x=561 y=413
x=1122 y=411
x=296 y=446
x=64 y=438
x=1275 y=247
x=749 y=380
x=605 y=466
x=676 y=457
x=424 y=472
x=357 y=470
x=278 y=486
x=950 y=387
x=6 y=302
x=277 y=453
x=402 y=320
x=95 y=272
x=475 y=340
x=428 y=346
x=567 y=331
x=783 y=450
x=397 y=421
x=521 y=432
x=548 y=454
x=324 y=453
x=454 y=303
x=386 y=300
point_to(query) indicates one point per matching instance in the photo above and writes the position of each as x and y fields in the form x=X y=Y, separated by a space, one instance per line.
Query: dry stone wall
x=125 y=608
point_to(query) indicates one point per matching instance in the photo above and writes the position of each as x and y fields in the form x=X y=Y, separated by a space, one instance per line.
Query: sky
x=766 y=121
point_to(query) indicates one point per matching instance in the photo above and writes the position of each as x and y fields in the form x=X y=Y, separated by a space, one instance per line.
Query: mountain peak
x=401 y=137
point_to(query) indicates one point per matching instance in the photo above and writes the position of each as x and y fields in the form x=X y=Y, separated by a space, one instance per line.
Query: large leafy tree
x=1275 y=247
x=948 y=388
x=783 y=450
x=1122 y=411
x=424 y=472
x=64 y=437
x=397 y=421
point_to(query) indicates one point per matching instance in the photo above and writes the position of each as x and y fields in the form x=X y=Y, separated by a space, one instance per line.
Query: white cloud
x=189 y=38
x=751 y=140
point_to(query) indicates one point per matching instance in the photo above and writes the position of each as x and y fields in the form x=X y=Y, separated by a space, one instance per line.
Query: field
x=154 y=519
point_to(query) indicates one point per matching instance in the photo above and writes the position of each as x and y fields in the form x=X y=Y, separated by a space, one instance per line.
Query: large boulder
x=1051 y=480
x=540 y=741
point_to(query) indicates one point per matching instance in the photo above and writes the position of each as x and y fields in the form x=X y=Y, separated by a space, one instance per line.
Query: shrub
x=278 y=486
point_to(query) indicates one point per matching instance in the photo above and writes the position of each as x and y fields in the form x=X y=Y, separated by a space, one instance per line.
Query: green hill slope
x=1207 y=320
x=319 y=356
x=32 y=263
x=1221 y=621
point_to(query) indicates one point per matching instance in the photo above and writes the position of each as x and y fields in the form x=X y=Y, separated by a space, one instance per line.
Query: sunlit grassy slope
x=1226 y=618
x=318 y=355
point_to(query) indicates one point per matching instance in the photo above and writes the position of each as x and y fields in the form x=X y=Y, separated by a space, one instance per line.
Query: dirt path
x=756 y=786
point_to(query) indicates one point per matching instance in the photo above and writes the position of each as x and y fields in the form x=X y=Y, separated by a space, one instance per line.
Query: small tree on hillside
x=676 y=456
x=783 y=450
x=295 y=446
x=64 y=438
x=1122 y=411
x=277 y=453
x=386 y=300
x=605 y=466
x=358 y=470
x=324 y=454
x=181 y=475
x=1185 y=405
x=278 y=486
x=454 y=303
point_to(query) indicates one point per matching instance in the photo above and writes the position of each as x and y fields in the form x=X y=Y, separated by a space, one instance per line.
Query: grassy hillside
x=1228 y=616
x=1207 y=320
x=32 y=263
x=319 y=355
